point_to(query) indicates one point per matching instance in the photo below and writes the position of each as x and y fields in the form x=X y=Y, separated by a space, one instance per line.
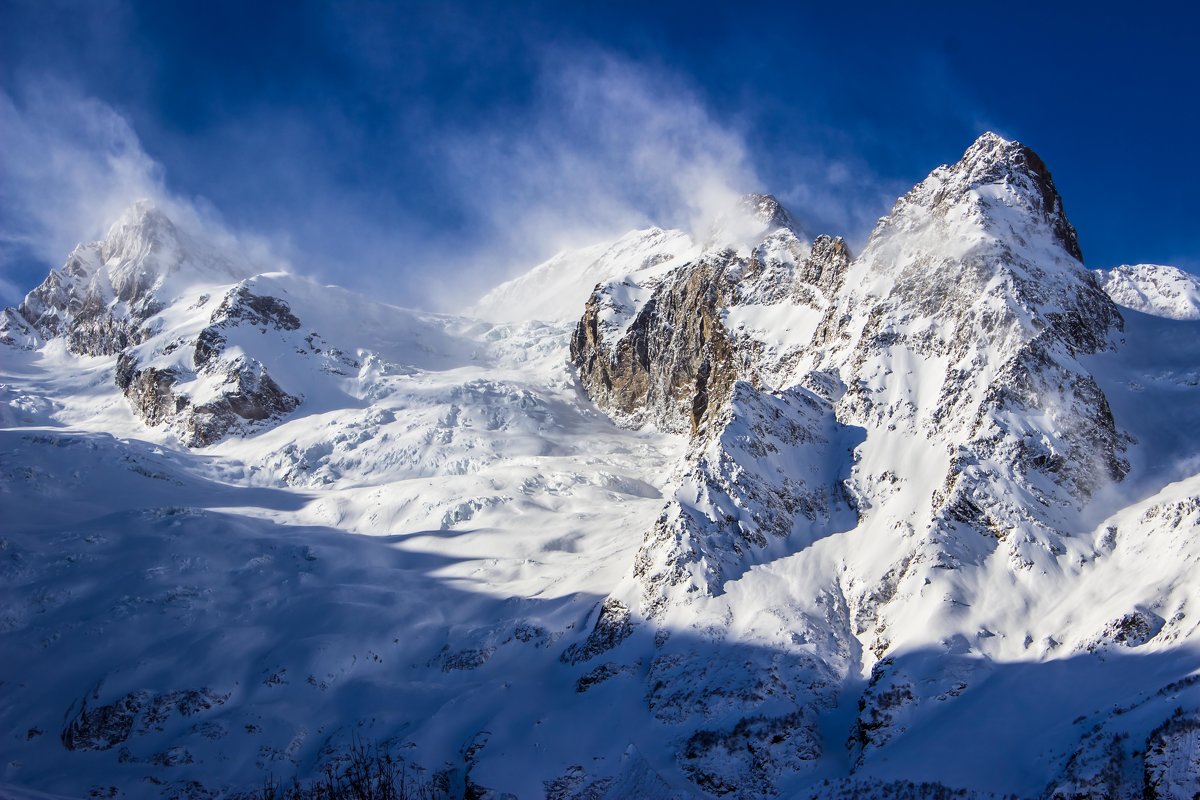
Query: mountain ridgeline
x=737 y=513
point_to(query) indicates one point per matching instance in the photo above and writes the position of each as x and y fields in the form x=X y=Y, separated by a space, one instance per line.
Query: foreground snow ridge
x=736 y=514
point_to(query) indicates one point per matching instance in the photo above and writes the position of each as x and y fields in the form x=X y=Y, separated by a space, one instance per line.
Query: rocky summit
x=728 y=513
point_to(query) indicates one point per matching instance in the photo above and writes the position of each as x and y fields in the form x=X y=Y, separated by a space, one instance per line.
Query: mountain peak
x=141 y=229
x=140 y=212
x=992 y=159
x=767 y=209
x=1154 y=289
x=751 y=218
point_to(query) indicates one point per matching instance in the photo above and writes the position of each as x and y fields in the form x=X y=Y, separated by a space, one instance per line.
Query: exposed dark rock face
x=247 y=393
x=242 y=307
x=613 y=626
x=675 y=360
x=601 y=674
x=675 y=363
x=672 y=361
x=104 y=727
x=149 y=390
x=757 y=749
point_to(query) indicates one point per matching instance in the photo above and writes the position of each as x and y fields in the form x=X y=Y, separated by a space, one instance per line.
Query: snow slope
x=557 y=289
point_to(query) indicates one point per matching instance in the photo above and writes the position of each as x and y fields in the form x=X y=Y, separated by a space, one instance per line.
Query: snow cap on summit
x=141 y=229
x=992 y=159
x=753 y=217
x=768 y=210
x=141 y=212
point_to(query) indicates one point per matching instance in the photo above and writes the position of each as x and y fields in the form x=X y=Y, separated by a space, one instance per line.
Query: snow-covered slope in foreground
x=931 y=519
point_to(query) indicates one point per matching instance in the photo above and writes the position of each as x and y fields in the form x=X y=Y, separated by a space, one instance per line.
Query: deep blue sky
x=379 y=144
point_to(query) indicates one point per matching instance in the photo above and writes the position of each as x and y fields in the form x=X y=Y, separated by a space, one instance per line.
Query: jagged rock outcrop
x=767 y=483
x=671 y=352
x=219 y=391
x=674 y=357
x=102 y=727
x=613 y=626
x=663 y=352
x=16 y=331
x=973 y=286
x=247 y=394
x=106 y=300
x=958 y=335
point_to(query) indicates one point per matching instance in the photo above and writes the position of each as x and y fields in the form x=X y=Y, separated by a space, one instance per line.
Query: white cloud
x=599 y=146
x=606 y=146
x=68 y=168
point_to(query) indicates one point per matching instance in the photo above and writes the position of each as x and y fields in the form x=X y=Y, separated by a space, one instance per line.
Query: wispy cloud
x=606 y=146
x=599 y=145
x=68 y=168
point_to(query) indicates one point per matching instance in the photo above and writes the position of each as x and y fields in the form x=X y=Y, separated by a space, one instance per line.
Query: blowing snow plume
x=604 y=146
x=70 y=166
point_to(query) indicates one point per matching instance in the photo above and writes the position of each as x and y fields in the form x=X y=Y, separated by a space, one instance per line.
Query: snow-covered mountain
x=1154 y=289
x=738 y=514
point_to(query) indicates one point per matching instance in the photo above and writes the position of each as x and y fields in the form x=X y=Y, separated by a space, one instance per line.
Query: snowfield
x=930 y=521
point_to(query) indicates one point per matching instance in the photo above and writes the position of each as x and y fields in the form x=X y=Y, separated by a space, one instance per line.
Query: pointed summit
x=143 y=232
x=1000 y=194
x=986 y=239
x=767 y=209
x=144 y=213
x=100 y=298
x=994 y=160
x=754 y=217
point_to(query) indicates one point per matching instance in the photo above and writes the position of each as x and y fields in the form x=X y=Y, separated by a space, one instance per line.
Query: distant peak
x=767 y=209
x=143 y=215
x=752 y=217
x=1154 y=289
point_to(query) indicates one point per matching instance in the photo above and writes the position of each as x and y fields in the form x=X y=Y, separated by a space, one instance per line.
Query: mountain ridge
x=748 y=517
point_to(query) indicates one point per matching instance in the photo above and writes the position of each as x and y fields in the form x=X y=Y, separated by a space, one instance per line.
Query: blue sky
x=426 y=151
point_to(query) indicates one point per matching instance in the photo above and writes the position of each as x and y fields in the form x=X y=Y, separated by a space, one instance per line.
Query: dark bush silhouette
x=364 y=772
